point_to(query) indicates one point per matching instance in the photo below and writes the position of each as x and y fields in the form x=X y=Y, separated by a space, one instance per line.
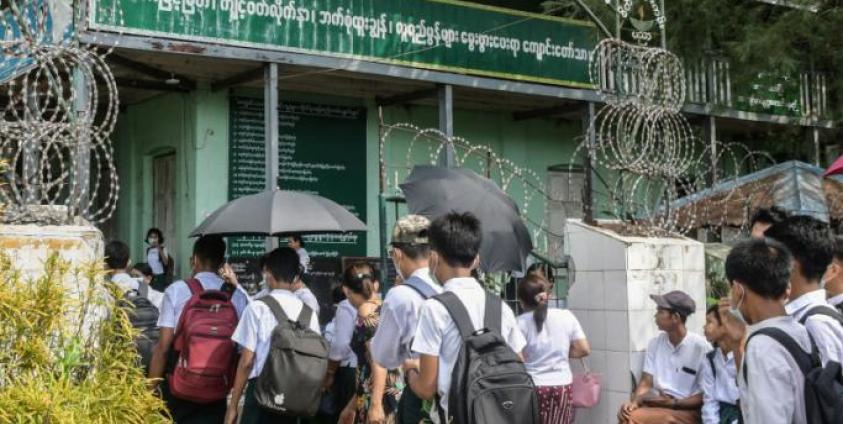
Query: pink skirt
x=555 y=405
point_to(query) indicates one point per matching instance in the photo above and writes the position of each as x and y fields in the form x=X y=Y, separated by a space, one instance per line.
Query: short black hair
x=456 y=237
x=360 y=278
x=762 y=265
x=283 y=263
x=714 y=310
x=116 y=255
x=771 y=216
x=144 y=269
x=211 y=249
x=157 y=232
x=413 y=251
x=809 y=240
x=838 y=248
x=297 y=238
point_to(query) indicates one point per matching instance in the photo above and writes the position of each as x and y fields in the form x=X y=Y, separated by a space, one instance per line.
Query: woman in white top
x=158 y=259
x=553 y=335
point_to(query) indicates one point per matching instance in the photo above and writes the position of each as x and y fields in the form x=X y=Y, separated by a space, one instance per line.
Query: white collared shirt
x=178 y=293
x=718 y=385
x=254 y=331
x=344 y=322
x=826 y=331
x=546 y=353
x=304 y=258
x=775 y=392
x=126 y=283
x=675 y=369
x=437 y=334
x=304 y=294
x=400 y=312
x=836 y=301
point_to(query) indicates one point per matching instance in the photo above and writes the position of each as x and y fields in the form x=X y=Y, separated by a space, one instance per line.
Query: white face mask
x=735 y=310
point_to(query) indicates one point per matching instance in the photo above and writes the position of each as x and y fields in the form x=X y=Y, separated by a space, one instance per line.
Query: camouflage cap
x=410 y=229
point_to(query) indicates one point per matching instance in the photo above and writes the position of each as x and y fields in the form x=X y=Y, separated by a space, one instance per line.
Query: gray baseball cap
x=410 y=229
x=677 y=301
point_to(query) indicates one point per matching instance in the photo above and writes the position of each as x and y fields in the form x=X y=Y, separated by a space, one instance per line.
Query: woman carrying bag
x=553 y=335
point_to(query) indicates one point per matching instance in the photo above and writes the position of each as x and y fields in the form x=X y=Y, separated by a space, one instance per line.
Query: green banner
x=775 y=93
x=442 y=35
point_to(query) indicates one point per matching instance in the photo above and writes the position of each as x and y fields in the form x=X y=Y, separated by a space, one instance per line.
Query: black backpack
x=291 y=380
x=823 y=385
x=489 y=383
x=144 y=317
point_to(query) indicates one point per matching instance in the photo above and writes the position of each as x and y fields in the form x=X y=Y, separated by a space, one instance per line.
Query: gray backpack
x=290 y=383
x=489 y=383
x=144 y=317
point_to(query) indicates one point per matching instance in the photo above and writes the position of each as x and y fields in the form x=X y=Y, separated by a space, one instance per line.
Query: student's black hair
x=144 y=269
x=297 y=238
x=809 y=240
x=771 y=216
x=715 y=311
x=337 y=295
x=762 y=265
x=283 y=263
x=413 y=251
x=544 y=271
x=532 y=292
x=838 y=248
x=211 y=249
x=116 y=255
x=456 y=237
x=360 y=278
x=157 y=232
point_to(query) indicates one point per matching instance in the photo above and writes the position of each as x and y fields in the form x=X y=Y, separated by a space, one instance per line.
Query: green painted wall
x=195 y=127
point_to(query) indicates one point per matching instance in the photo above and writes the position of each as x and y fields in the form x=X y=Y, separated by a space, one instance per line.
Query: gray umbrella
x=434 y=191
x=278 y=213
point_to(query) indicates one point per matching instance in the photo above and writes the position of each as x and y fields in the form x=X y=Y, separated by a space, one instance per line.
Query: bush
x=67 y=354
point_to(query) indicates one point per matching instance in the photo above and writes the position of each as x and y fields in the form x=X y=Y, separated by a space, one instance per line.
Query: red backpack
x=207 y=357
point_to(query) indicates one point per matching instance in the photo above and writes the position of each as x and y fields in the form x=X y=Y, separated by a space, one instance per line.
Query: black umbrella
x=433 y=191
x=278 y=213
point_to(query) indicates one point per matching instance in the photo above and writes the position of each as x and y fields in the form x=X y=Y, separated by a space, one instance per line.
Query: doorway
x=164 y=198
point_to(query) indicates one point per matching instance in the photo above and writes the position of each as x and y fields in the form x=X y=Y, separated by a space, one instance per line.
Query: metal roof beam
x=150 y=71
x=248 y=76
x=406 y=97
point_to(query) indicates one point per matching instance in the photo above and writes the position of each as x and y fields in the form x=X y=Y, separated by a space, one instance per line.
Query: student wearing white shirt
x=834 y=276
x=301 y=291
x=719 y=383
x=553 y=335
x=282 y=272
x=811 y=243
x=207 y=260
x=117 y=261
x=455 y=243
x=392 y=343
x=771 y=383
x=296 y=243
x=669 y=388
x=342 y=362
x=158 y=258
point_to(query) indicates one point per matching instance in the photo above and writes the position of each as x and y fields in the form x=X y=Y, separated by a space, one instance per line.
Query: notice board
x=321 y=149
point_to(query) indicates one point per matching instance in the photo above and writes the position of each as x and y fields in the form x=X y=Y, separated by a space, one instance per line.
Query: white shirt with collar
x=718 y=385
x=775 y=391
x=546 y=353
x=675 y=369
x=400 y=313
x=836 y=301
x=304 y=294
x=344 y=322
x=437 y=334
x=127 y=283
x=178 y=293
x=304 y=258
x=254 y=331
x=826 y=331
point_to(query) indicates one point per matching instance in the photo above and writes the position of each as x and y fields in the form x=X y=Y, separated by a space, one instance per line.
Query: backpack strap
x=143 y=289
x=457 y=312
x=803 y=359
x=423 y=289
x=492 y=313
x=825 y=310
x=194 y=285
x=710 y=356
x=277 y=310
x=305 y=316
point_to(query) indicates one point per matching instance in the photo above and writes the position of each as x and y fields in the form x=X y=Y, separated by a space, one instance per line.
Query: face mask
x=398 y=270
x=735 y=311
